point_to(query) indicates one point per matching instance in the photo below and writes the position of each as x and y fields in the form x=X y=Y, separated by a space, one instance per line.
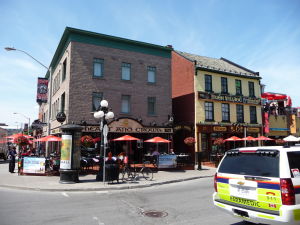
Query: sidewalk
x=89 y=183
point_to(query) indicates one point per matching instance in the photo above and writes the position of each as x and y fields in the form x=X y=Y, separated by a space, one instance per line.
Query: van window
x=294 y=161
x=251 y=164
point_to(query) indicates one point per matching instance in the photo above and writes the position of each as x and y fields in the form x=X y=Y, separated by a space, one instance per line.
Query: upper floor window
x=98 y=67
x=251 y=89
x=240 y=113
x=224 y=85
x=253 y=117
x=151 y=74
x=225 y=112
x=62 y=102
x=151 y=106
x=97 y=98
x=64 y=70
x=125 y=104
x=208 y=83
x=238 y=87
x=209 y=111
x=126 y=71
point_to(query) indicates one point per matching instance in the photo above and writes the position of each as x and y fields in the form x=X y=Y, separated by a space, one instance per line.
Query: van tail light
x=215 y=183
x=287 y=191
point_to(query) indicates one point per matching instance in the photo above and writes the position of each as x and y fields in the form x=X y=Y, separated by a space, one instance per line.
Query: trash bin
x=112 y=171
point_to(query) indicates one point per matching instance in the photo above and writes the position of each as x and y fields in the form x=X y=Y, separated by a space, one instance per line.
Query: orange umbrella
x=48 y=138
x=249 y=138
x=233 y=138
x=263 y=138
x=158 y=140
x=126 y=138
x=19 y=135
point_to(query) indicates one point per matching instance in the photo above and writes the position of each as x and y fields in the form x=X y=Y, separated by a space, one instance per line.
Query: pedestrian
x=12 y=159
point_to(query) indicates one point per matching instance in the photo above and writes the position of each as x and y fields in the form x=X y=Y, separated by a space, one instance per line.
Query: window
x=64 y=70
x=224 y=85
x=251 y=89
x=208 y=84
x=225 y=112
x=240 y=113
x=125 y=105
x=151 y=106
x=238 y=87
x=253 y=117
x=294 y=161
x=151 y=74
x=97 y=98
x=62 y=103
x=126 y=73
x=209 y=111
x=98 y=67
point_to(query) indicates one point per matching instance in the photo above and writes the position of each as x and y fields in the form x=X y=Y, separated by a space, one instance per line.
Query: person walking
x=12 y=159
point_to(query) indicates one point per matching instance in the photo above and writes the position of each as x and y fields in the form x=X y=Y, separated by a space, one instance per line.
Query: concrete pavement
x=89 y=183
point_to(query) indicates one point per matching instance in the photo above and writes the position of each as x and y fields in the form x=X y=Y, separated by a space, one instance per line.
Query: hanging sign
x=66 y=152
x=42 y=90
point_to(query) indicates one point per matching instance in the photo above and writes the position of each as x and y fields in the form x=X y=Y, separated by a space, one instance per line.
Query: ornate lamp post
x=102 y=116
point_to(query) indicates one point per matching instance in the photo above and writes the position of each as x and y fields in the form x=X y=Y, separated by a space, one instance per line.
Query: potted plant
x=190 y=141
x=87 y=141
x=21 y=141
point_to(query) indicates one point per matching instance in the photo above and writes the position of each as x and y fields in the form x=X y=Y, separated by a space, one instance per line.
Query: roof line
x=235 y=64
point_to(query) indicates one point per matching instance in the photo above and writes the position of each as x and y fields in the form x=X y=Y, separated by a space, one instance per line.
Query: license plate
x=243 y=192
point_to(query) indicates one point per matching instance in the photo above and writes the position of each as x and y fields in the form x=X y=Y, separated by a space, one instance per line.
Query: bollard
x=70 y=154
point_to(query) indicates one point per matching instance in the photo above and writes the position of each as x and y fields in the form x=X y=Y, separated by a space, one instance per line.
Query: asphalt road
x=187 y=203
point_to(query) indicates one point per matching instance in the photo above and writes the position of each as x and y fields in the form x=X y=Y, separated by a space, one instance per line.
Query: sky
x=261 y=35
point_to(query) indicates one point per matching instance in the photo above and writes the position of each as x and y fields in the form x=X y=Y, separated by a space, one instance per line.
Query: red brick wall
x=183 y=72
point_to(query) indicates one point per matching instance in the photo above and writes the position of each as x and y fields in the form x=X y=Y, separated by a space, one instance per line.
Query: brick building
x=134 y=77
x=213 y=98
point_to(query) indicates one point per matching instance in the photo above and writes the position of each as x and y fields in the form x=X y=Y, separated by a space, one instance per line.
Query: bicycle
x=133 y=173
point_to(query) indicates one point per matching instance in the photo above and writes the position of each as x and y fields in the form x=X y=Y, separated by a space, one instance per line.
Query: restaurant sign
x=167 y=161
x=229 y=98
x=127 y=125
x=34 y=165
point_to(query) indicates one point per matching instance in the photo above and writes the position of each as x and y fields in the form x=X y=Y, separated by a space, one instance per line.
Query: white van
x=260 y=184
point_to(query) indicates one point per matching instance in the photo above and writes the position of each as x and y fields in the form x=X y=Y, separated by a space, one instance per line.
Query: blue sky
x=262 y=35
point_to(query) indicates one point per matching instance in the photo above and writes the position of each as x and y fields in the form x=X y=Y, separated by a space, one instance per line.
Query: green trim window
x=151 y=106
x=225 y=112
x=240 y=113
x=126 y=71
x=209 y=111
x=224 y=85
x=253 y=116
x=151 y=73
x=96 y=99
x=238 y=87
x=98 y=67
x=208 y=83
x=125 y=104
x=251 y=89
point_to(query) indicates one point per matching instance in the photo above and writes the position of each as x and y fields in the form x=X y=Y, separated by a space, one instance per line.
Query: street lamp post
x=49 y=69
x=102 y=116
x=26 y=118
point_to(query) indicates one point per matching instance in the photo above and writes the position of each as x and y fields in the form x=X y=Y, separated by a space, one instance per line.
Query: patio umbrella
x=234 y=139
x=158 y=140
x=127 y=138
x=291 y=138
x=48 y=138
x=248 y=138
x=263 y=138
x=19 y=135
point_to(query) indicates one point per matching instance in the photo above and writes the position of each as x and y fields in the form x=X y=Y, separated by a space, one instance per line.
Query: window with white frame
x=209 y=111
x=98 y=67
x=126 y=71
x=125 y=104
x=96 y=99
x=225 y=112
x=151 y=74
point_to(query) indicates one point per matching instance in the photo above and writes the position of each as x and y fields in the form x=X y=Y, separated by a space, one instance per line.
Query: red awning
x=274 y=96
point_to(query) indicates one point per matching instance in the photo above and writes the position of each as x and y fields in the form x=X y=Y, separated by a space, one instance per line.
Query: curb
x=128 y=187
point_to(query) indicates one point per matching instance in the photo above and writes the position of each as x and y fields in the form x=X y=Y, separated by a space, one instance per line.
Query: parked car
x=260 y=184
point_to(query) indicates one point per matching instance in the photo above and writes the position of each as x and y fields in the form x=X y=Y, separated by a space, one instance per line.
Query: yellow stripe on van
x=266 y=217
x=269 y=195
x=223 y=206
x=296 y=214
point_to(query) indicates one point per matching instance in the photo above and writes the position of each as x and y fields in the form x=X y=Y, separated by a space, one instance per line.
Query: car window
x=294 y=162
x=251 y=164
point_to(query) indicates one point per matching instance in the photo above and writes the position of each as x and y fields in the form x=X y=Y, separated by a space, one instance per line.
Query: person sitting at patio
x=155 y=153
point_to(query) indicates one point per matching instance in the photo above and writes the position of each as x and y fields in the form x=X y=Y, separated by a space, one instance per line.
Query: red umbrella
x=158 y=140
x=48 y=138
x=126 y=138
x=233 y=138
x=263 y=138
x=19 y=135
x=249 y=138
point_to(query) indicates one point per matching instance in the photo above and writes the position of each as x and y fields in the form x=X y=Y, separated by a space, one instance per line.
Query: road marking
x=65 y=194
x=99 y=222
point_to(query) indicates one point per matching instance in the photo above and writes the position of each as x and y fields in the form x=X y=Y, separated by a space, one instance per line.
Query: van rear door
x=249 y=179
